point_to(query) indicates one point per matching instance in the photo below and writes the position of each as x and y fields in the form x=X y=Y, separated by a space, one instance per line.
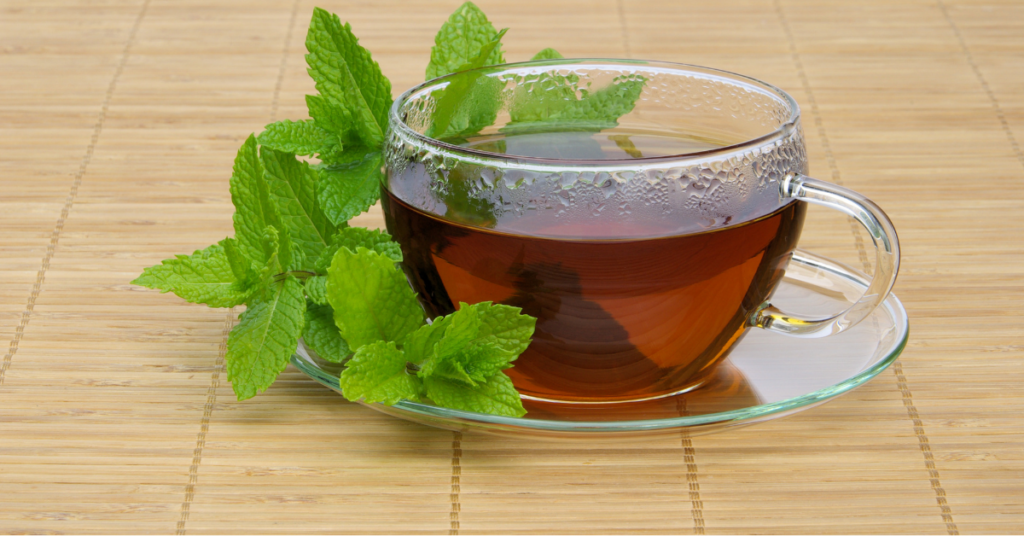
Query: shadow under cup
x=633 y=208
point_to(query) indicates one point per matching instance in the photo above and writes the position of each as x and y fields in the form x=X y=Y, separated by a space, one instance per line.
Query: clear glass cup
x=644 y=212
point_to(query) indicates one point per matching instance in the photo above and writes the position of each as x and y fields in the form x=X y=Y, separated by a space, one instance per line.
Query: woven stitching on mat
x=51 y=247
x=211 y=394
x=901 y=380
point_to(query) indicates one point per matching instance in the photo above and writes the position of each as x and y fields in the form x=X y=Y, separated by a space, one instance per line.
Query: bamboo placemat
x=118 y=123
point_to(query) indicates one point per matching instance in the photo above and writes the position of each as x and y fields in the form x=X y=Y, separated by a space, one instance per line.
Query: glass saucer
x=767 y=375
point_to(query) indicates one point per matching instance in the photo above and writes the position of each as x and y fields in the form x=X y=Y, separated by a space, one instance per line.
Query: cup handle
x=887 y=249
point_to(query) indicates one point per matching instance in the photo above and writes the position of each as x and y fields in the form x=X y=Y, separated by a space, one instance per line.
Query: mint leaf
x=293 y=188
x=460 y=39
x=497 y=396
x=254 y=210
x=347 y=76
x=260 y=346
x=377 y=373
x=458 y=116
x=316 y=289
x=462 y=328
x=538 y=111
x=334 y=119
x=204 y=277
x=477 y=110
x=605 y=106
x=299 y=137
x=371 y=298
x=322 y=335
x=356 y=237
x=479 y=362
x=450 y=370
x=445 y=359
x=349 y=189
x=281 y=254
x=271 y=243
x=419 y=345
x=547 y=54
x=539 y=96
x=503 y=326
x=479 y=341
x=242 y=267
x=470 y=365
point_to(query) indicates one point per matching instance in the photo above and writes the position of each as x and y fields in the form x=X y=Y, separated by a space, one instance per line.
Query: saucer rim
x=746 y=415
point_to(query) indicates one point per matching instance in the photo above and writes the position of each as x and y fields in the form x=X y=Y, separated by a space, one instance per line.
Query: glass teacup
x=644 y=212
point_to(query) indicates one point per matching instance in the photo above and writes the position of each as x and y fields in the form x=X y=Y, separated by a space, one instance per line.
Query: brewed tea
x=617 y=318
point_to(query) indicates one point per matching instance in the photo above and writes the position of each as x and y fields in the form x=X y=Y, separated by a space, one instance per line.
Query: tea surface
x=611 y=144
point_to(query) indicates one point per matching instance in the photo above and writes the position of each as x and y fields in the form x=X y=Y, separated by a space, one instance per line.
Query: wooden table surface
x=119 y=120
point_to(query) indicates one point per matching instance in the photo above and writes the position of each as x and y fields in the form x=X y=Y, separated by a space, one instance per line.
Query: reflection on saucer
x=728 y=389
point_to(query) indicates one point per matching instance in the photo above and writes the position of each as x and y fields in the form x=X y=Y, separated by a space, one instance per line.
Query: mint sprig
x=301 y=270
x=457 y=361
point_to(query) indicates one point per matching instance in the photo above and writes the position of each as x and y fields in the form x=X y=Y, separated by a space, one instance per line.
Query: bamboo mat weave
x=119 y=120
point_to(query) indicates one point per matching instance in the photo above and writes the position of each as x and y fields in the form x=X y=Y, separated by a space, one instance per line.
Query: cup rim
x=398 y=123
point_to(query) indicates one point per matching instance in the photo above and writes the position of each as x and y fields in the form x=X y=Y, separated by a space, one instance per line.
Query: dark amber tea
x=623 y=318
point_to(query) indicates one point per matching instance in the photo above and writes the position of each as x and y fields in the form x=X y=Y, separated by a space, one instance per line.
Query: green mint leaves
x=471 y=102
x=322 y=335
x=292 y=186
x=351 y=186
x=497 y=396
x=378 y=373
x=457 y=362
x=371 y=298
x=260 y=346
x=558 y=108
x=347 y=77
x=458 y=358
x=460 y=41
x=466 y=41
x=204 y=277
x=302 y=271
x=354 y=238
x=301 y=138
x=250 y=194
